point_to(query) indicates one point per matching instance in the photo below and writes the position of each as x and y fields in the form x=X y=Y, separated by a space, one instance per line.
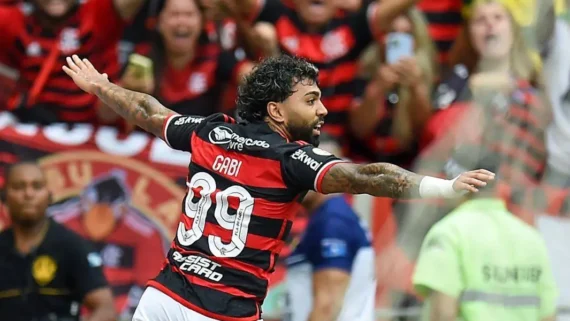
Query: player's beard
x=304 y=132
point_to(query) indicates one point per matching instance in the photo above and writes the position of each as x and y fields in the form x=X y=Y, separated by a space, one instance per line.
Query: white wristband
x=432 y=187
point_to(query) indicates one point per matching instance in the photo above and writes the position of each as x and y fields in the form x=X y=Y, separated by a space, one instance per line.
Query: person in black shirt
x=46 y=270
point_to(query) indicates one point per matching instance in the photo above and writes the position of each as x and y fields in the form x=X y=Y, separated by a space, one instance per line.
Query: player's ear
x=275 y=111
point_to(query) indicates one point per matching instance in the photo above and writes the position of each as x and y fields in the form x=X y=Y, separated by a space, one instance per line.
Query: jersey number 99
x=238 y=223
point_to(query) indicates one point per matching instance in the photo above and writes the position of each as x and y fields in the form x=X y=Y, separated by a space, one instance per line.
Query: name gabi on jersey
x=302 y=156
x=223 y=135
x=226 y=165
x=188 y=120
x=198 y=265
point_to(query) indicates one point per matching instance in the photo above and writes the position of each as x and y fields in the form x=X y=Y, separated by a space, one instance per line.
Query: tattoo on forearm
x=377 y=179
x=138 y=108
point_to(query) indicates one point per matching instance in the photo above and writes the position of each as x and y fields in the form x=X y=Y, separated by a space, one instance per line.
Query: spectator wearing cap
x=46 y=271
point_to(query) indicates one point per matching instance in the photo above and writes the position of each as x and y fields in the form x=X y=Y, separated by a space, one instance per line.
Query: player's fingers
x=68 y=71
x=72 y=64
x=106 y=76
x=468 y=187
x=480 y=175
x=88 y=63
x=474 y=182
x=484 y=171
x=78 y=62
x=483 y=176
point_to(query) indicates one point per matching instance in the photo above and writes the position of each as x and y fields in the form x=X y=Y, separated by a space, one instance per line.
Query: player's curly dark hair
x=272 y=79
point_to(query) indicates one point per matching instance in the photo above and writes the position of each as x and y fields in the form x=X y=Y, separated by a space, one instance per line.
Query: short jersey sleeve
x=178 y=129
x=332 y=246
x=305 y=166
x=86 y=267
x=438 y=267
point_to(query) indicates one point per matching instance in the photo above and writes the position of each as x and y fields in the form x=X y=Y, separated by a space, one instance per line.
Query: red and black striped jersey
x=444 y=23
x=92 y=31
x=197 y=88
x=334 y=50
x=509 y=134
x=245 y=183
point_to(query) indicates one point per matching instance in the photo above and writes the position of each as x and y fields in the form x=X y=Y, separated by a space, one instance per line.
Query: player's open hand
x=84 y=74
x=473 y=180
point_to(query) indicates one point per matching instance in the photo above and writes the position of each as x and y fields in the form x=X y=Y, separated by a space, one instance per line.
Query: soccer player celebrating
x=244 y=185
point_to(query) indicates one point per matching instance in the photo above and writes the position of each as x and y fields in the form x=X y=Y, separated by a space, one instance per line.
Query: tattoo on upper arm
x=138 y=108
x=377 y=179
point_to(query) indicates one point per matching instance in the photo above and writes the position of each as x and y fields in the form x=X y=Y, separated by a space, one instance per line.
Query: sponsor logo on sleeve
x=188 y=120
x=304 y=158
x=222 y=135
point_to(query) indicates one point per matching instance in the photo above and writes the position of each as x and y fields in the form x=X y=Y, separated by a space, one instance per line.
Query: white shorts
x=157 y=306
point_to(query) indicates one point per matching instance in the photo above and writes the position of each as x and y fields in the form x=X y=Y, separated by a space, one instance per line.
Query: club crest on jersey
x=34 y=49
x=333 y=45
x=197 y=83
x=69 y=40
x=223 y=135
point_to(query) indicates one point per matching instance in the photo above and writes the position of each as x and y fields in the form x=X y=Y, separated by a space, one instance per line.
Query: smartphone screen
x=399 y=45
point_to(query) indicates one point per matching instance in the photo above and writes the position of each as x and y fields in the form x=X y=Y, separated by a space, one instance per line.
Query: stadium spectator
x=130 y=245
x=330 y=274
x=482 y=263
x=445 y=18
x=189 y=69
x=487 y=110
x=46 y=271
x=494 y=100
x=35 y=38
x=385 y=124
x=328 y=37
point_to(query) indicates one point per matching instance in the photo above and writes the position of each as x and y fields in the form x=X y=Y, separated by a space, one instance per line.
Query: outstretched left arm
x=137 y=108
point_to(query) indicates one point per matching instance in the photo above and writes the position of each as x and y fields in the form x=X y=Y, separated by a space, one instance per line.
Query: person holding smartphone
x=398 y=95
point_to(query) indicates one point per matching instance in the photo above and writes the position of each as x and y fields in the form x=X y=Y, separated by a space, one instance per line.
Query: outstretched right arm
x=389 y=180
x=311 y=168
x=140 y=109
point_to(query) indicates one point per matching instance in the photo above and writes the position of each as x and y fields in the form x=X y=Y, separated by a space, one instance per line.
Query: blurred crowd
x=435 y=86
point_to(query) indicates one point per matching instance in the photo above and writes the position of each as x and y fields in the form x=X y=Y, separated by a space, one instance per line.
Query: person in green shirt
x=481 y=263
